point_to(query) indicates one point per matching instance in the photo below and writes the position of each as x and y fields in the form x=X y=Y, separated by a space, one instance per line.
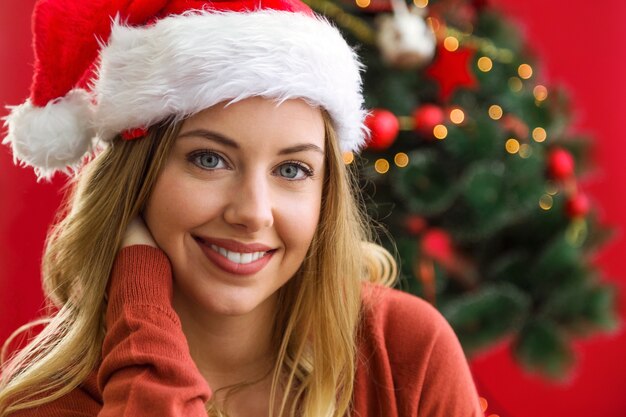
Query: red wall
x=580 y=46
x=26 y=208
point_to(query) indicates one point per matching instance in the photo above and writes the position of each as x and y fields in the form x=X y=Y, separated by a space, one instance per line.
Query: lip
x=229 y=266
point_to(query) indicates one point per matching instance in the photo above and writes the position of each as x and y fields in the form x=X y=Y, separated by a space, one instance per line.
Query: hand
x=137 y=233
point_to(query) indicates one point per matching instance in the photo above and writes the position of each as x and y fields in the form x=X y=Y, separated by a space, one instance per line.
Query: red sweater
x=410 y=362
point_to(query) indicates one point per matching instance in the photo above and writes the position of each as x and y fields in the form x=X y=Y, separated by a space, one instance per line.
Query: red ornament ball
x=415 y=224
x=437 y=244
x=560 y=164
x=426 y=117
x=384 y=127
x=577 y=206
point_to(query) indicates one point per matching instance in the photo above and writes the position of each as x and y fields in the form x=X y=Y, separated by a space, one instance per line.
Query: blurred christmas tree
x=473 y=170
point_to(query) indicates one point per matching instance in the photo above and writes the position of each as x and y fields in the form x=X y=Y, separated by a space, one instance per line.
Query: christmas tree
x=473 y=170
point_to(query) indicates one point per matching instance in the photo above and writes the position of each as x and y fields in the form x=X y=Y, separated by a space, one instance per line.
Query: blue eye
x=294 y=171
x=207 y=160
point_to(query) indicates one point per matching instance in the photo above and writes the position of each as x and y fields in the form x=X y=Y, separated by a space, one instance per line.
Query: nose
x=250 y=205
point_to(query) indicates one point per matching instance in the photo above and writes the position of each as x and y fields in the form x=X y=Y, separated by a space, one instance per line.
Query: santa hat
x=105 y=67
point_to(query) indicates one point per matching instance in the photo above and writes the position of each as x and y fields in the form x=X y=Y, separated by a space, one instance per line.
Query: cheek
x=298 y=221
x=175 y=207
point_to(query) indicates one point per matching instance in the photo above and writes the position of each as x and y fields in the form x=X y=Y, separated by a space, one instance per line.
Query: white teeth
x=234 y=257
x=240 y=258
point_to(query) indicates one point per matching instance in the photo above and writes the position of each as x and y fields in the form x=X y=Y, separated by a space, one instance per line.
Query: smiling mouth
x=241 y=258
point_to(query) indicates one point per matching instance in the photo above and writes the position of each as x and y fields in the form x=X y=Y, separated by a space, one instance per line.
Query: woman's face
x=238 y=201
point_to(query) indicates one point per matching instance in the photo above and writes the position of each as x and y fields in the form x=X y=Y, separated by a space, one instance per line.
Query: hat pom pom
x=51 y=138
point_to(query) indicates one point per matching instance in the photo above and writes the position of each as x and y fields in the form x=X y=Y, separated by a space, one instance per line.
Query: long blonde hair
x=315 y=328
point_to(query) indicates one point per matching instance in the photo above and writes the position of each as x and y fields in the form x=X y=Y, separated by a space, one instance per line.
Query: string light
x=540 y=92
x=495 y=112
x=539 y=134
x=381 y=166
x=483 y=404
x=485 y=64
x=457 y=116
x=348 y=157
x=546 y=202
x=401 y=159
x=420 y=3
x=525 y=71
x=440 y=131
x=484 y=45
x=363 y=3
x=515 y=84
x=451 y=43
x=512 y=145
x=551 y=188
x=525 y=151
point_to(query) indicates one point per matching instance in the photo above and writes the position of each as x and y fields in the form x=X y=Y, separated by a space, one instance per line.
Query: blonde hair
x=315 y=328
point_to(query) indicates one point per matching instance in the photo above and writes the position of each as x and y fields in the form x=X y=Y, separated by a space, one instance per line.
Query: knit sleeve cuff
x=141 y=275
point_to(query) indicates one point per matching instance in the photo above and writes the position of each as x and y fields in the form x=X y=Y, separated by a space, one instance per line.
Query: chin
x=232 y=307
x=229 y=301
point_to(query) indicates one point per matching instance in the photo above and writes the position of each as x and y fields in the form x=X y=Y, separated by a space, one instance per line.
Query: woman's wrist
x=137 y=233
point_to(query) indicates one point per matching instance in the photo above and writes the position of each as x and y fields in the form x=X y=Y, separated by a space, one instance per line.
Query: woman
x=211 y=257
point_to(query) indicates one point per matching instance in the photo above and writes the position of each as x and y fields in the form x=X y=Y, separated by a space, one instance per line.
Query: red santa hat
x=103 y=67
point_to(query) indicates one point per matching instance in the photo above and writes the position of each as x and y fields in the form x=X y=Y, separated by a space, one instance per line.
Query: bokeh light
x=484 y=64
x=440 y=131
x=495 y=112
x=381 y=166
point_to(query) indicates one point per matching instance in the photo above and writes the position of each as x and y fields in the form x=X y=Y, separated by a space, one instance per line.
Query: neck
x=229 y=349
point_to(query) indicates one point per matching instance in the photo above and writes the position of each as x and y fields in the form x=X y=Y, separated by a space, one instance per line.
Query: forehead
x=258 y=121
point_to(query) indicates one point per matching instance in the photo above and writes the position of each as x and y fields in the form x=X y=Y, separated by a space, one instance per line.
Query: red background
x=579 y=46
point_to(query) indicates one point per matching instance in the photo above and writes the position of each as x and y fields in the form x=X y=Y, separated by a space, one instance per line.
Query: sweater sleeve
x=146 y=366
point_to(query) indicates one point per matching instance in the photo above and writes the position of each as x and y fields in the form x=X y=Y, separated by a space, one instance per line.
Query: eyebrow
x=226 y=141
